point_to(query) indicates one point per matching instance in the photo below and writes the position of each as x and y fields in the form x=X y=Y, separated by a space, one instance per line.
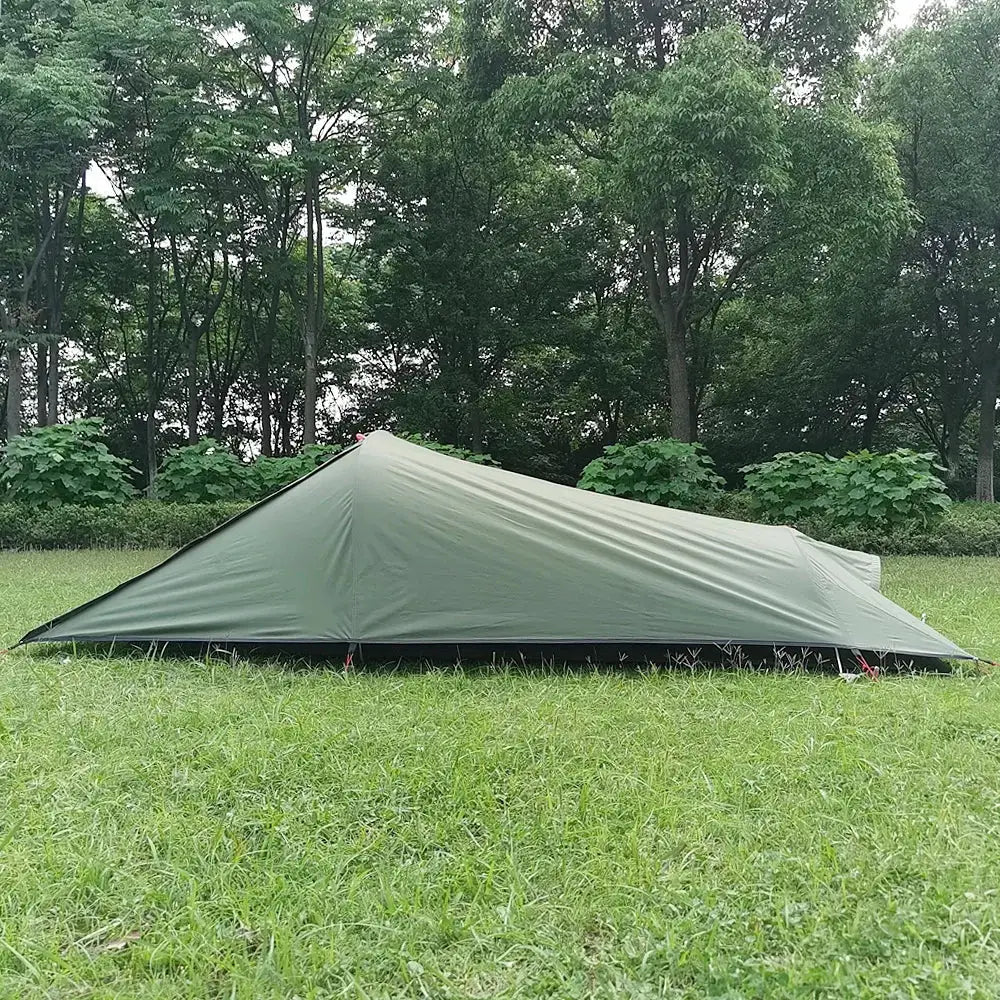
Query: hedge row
x=965 y=529
x=141 y=524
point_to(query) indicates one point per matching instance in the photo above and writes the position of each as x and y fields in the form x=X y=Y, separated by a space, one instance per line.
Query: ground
x=183 y=828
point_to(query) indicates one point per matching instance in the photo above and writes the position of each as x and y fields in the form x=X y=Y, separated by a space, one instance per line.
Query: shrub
x=862 y=490
x=268 y=475
x=475 y=457
x=734 y=504
x=969 y=528
x=64 y=463
x=662 y=471
x=965 y=529
x=141 y=524
x=894 y=489
x=794 y=484
x=202 y=473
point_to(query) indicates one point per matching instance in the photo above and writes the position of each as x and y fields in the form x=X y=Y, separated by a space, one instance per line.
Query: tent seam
x=818 y=581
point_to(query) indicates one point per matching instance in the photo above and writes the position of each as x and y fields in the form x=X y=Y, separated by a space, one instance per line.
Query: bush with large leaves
x=660 y=471
x=208 y=473
x=64 y=463
x=205 y=472
x=861 y=490
x=793 y=485
x=268 y=475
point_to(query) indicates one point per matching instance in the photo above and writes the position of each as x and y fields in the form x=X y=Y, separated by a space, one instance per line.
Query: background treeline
x=532 y=228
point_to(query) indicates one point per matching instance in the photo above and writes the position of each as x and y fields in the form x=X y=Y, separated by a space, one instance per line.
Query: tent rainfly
x=390 y=544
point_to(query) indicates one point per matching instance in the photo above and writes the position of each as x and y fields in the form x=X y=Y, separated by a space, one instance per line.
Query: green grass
x=177 y=828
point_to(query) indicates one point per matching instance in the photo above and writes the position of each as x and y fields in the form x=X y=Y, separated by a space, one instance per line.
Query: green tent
x=393 y=545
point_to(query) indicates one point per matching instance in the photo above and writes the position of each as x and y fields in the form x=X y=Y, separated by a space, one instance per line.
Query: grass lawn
x=176 y=828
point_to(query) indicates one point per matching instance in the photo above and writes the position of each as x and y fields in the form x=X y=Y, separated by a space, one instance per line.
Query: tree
x=683 y=112
x=311 y=73
x=819 y=358
x=700 y=156
x=476 y=253
x=157 y=60
x=938 y=82
x=51 y=106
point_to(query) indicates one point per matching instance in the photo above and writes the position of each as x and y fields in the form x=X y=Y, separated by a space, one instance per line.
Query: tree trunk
x=193 y=400
x=670 y=320
x=64 y=271
x=265 y=351
x=266 y=428
x=693 y=408
x=41 y=384
x=682 y=421
x=14 y=389
x=476 y=425
x=152 y=270
x=953 y=443
x=195 y=331
x=872 y=413
x=151 y=445
x=309 y=326
x=218 y=416
x=53 y=383
x=285 y=427
x=309 y=417
x=987 y=428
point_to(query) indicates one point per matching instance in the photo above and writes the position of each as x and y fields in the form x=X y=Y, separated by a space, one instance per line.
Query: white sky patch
x=99 y=183
x=904 y=11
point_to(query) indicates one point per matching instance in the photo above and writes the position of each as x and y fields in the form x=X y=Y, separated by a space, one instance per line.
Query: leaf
x=117 y=944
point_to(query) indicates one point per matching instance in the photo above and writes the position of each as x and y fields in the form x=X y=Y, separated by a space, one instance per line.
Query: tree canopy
x=532 y=228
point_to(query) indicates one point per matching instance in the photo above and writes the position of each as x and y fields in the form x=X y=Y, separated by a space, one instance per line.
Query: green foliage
x=141 y=524
x=898 y=488
x=660 y=471
x=451 y=450
x=969 y=528
x=64 y=463
x=478 y=290
x=793 y=484
x=735 y=504
x=862 y=490
x=268 y=475
x=965 y=529
x=707 y=127
x=202 y=473
x=937 y=84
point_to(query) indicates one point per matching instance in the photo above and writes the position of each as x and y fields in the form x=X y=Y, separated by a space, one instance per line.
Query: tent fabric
x=392 y=543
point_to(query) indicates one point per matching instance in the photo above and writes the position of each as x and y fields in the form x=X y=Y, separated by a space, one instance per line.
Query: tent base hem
x=684 y=654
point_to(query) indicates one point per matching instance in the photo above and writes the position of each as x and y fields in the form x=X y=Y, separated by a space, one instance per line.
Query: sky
x=905 y=11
